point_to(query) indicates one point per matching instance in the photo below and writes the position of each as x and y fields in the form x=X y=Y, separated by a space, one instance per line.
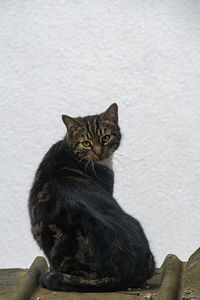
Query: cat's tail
x=68 y=283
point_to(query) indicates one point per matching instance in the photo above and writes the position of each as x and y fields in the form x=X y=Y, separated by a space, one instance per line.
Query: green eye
x=86 y=144
x=106 y=138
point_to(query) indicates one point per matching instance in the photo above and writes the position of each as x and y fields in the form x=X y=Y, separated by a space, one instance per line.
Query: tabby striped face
x=94 y=137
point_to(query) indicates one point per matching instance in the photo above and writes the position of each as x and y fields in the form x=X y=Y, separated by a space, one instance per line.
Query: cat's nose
x=98 y=150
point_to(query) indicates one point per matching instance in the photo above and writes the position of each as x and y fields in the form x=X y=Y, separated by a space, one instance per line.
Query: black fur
x=90 y=242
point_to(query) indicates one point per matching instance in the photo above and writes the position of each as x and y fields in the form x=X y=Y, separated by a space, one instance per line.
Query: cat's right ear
x=70 y=123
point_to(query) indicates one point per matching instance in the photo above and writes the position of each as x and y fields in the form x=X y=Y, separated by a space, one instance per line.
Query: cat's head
x=96 y=137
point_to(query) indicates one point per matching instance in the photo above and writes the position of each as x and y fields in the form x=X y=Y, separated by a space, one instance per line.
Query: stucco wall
x=78 y=57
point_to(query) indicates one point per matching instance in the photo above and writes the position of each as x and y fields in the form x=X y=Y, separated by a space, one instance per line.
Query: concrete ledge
x=172 y=271
x=175 y=280
x=31 y=279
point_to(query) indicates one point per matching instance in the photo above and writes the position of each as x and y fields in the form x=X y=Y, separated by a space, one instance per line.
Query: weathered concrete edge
x=172 y=271
x=31 y=278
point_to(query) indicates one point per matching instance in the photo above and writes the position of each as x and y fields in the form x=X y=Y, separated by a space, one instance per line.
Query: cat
x=91 y=244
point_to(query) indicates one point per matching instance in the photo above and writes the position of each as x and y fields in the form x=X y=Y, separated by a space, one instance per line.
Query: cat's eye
x=86 y=144
x=106 y=138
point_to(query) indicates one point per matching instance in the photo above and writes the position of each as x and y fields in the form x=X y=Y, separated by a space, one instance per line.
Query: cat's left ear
x=111 y=113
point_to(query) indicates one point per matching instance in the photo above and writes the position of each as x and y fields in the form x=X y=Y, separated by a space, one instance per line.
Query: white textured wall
x=77 y=57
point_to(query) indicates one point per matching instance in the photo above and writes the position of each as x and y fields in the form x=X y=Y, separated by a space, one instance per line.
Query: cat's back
x=62 y=180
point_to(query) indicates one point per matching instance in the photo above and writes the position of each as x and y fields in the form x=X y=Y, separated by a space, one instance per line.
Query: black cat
x=91 y=244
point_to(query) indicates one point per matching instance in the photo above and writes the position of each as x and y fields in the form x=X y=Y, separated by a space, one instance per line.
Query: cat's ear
x=70 y=122
x=111 y=113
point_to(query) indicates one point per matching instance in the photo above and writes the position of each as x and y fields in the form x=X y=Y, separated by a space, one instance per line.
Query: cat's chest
x=108 y=162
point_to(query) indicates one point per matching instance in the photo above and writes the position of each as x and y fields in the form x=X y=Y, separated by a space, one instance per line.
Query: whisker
x=118 y=153
x=93 y=168
x=80 y=160
x=87 y=165
x=94 y=172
